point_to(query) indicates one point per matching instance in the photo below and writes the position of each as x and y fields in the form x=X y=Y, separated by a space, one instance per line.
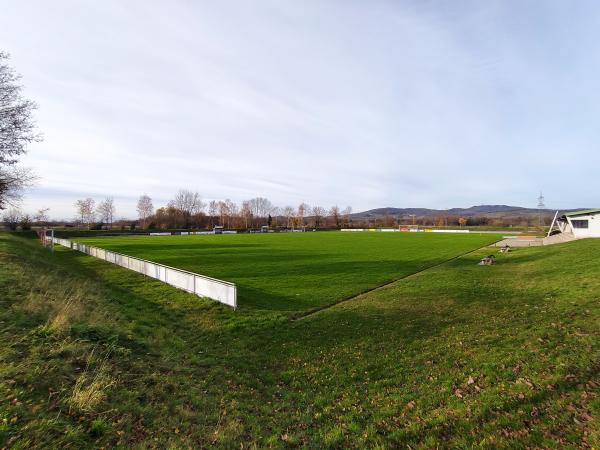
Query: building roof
x=583 y=212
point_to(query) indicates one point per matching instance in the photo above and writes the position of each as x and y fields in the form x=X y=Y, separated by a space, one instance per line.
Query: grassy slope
x=461 y=355
x=294 y=271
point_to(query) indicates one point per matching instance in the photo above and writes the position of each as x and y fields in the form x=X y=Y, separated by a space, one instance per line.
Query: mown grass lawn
x=459 y=356
x=298 y=271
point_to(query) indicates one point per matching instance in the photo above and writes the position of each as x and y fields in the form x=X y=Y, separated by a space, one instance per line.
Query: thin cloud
x=366 y=104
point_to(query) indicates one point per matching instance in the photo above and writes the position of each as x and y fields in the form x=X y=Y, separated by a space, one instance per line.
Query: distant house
x=585 y=223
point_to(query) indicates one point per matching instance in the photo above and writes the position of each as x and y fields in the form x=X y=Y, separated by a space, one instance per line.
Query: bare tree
x=246 y=213
x=259 y=207
x=264 y=207
x=198 y=220
x=222 y=208
x=213 y=210
x=288 y=213
x=12 y=217
x=85 y=211
x=334 y=212
x=188 y=203
x=13 y=180
x=80 y=207
x=106 y=211
x=90 y=214
x=41 y=217
x=318 y=212
x=226 y=210
x=160 y=216
x=17 y=130
x=347 y=211
x=145 y=209
x=231 y=210
x=303 y=208
x=276 y=213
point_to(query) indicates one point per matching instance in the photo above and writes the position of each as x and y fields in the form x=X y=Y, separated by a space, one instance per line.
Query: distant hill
x=492 y=211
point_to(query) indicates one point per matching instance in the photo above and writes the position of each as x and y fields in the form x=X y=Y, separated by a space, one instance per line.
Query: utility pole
x=414 y=218
x=541 y=205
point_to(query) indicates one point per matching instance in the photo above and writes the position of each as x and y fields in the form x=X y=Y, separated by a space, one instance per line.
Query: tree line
x=187 y=210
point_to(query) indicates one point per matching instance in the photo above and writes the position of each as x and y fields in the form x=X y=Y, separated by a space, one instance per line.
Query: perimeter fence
x=201 y=285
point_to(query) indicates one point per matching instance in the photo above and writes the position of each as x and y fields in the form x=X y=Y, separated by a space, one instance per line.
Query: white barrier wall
x=203 y=286
x=451 y=231
x=390 y=230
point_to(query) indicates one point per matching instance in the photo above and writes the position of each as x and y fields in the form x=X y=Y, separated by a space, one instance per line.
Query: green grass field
x=298 y=271
x=458 y=356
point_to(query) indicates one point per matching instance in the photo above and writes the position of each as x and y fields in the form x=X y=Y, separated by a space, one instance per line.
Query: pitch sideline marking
x=387 y=283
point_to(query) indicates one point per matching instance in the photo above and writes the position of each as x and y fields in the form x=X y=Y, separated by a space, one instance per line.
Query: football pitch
x=297 y=272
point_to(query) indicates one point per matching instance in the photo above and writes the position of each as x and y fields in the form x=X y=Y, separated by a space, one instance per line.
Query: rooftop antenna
x=541 y=205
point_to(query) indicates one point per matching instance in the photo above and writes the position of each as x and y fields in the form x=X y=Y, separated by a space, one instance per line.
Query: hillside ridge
x=477 y=210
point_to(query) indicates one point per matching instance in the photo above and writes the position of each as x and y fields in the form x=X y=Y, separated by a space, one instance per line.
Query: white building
x=585 y=223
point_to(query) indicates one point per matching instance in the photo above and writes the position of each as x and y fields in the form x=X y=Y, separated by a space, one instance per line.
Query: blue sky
x=368 y=104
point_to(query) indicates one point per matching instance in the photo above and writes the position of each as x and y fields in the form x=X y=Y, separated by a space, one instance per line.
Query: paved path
x=534 y=241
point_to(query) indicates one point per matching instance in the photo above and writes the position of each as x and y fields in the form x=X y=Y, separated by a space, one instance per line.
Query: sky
x=363 y=103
